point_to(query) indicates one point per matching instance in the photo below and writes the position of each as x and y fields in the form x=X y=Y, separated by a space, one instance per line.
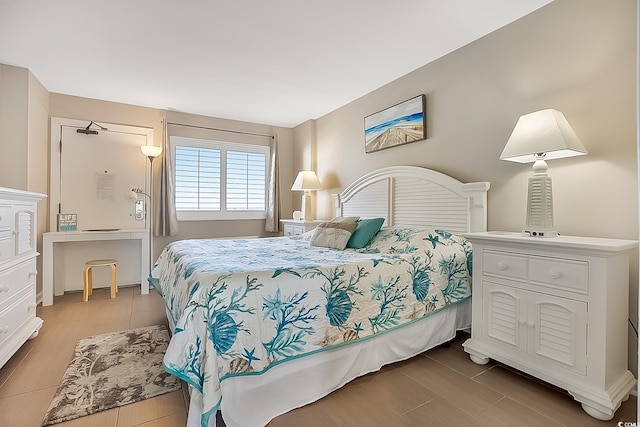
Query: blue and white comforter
x=243 y=306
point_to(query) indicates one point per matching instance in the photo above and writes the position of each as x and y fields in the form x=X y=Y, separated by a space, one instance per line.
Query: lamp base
x=540 y=233
x=306 y=206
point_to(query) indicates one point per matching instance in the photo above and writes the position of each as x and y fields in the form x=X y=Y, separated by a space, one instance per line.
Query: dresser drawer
x=16 y=315
x=6 y=216
x=506 y=265
x=16 y=280
x=6 y=246
x=560 y=273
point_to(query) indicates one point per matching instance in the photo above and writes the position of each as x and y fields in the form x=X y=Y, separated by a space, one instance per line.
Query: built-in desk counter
x=50 y=240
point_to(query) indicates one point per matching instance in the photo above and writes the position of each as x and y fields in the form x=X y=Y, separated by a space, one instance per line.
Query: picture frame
x=397 y=125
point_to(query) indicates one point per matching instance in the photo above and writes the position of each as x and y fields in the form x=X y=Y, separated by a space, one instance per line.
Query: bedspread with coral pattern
x=243 y=306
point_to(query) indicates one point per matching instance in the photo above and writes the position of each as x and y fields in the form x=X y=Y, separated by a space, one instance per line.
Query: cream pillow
x=335 y=233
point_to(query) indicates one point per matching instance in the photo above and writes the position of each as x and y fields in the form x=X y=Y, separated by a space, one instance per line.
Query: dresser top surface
x=593 y=243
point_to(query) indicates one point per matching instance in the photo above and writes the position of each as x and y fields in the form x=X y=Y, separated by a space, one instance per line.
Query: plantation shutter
x=246 y=181
x=197 y=178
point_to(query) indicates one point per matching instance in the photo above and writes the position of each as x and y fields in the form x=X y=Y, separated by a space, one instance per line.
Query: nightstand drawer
x=568 y=274
x=293 y=230
x=505 y=265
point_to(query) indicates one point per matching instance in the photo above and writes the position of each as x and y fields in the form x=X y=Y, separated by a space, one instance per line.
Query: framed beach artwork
x=397 y=125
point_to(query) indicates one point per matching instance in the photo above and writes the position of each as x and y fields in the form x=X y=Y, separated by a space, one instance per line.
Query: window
x=219 y=180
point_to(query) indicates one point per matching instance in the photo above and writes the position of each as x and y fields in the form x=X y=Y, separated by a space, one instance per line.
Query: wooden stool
x=88 y=276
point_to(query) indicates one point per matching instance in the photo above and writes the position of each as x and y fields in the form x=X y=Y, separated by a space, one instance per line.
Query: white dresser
x=557 y=309
x=18 y=223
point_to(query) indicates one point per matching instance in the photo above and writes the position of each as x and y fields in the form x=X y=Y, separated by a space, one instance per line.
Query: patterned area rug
x=113 y=370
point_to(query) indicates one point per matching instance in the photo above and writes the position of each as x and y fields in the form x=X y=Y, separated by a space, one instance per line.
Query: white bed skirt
x=255 y=400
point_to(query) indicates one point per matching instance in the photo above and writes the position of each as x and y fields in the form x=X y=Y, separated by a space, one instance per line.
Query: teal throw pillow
x=364 y=232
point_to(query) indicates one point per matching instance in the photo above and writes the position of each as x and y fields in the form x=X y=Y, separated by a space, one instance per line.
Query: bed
x=252 y=317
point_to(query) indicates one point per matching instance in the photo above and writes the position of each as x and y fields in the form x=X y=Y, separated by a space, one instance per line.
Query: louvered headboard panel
x=414 y=196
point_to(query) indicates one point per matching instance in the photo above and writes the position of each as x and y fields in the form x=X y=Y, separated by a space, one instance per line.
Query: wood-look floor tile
x=628 y=410
x=54 y=336
x=77 y=312
x=43 y=368
x=463 y=392
x=442 y=412
x=313 y=415
x=539 y=397
x=141 y=319
x=26 y=409
x=151 y=409
x=508 y=413
x=396 y=390
x=107 y=418
x=105 y=328
x=456 y=358
x=14 y=362
x=109 y=312
x=174 y=420
x=351 y=406
x=150 y=302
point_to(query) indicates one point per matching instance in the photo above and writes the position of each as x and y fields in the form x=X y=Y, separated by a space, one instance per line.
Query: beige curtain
x=272 y=222
x=166 y=221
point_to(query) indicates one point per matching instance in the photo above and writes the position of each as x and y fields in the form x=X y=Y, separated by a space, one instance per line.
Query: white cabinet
x=18 y=219
x=294 y=228
x=557 y=309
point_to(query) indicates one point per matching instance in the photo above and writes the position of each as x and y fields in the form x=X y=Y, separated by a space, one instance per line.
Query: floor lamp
x=151 y=151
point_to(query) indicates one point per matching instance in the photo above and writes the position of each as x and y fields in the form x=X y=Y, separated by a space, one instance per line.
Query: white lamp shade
x=542 y=132
x=305 y=181
x=151 y=150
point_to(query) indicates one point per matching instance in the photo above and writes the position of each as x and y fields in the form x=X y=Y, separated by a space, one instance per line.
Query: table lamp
x=539 y=136
x=306 y=181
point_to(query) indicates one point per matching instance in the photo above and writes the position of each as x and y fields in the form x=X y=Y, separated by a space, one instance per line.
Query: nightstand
x=294 y=228
x=557 y=309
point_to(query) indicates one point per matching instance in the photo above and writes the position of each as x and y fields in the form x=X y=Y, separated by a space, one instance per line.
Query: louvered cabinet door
x=558 y=331
x=24 y=229
x=505 y=309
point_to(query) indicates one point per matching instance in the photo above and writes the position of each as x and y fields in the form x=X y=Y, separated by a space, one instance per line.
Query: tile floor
x=439 y=388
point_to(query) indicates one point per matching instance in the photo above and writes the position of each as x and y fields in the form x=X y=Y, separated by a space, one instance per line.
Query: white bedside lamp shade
x=306 y=181
x=539 y=136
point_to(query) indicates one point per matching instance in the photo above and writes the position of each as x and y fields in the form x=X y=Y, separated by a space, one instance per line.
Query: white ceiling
x=277 y=62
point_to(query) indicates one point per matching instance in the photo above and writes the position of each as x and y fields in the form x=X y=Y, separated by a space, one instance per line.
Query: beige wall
x=14 y=122
x=577 y=56
x=24 y=114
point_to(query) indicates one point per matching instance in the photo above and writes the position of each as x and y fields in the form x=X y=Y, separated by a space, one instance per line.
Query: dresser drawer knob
x=33 y=273
x=502 y=266
x=554 y=274
x=31 y=307
x=4 y=329
x=4 y=288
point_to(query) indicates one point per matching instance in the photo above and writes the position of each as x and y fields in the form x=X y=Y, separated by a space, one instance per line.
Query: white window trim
x=224 y=146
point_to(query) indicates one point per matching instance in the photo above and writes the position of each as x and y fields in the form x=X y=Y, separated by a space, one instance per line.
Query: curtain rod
x=222 y=130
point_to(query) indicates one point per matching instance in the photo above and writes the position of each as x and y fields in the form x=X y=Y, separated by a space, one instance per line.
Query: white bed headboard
x=415 y=196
